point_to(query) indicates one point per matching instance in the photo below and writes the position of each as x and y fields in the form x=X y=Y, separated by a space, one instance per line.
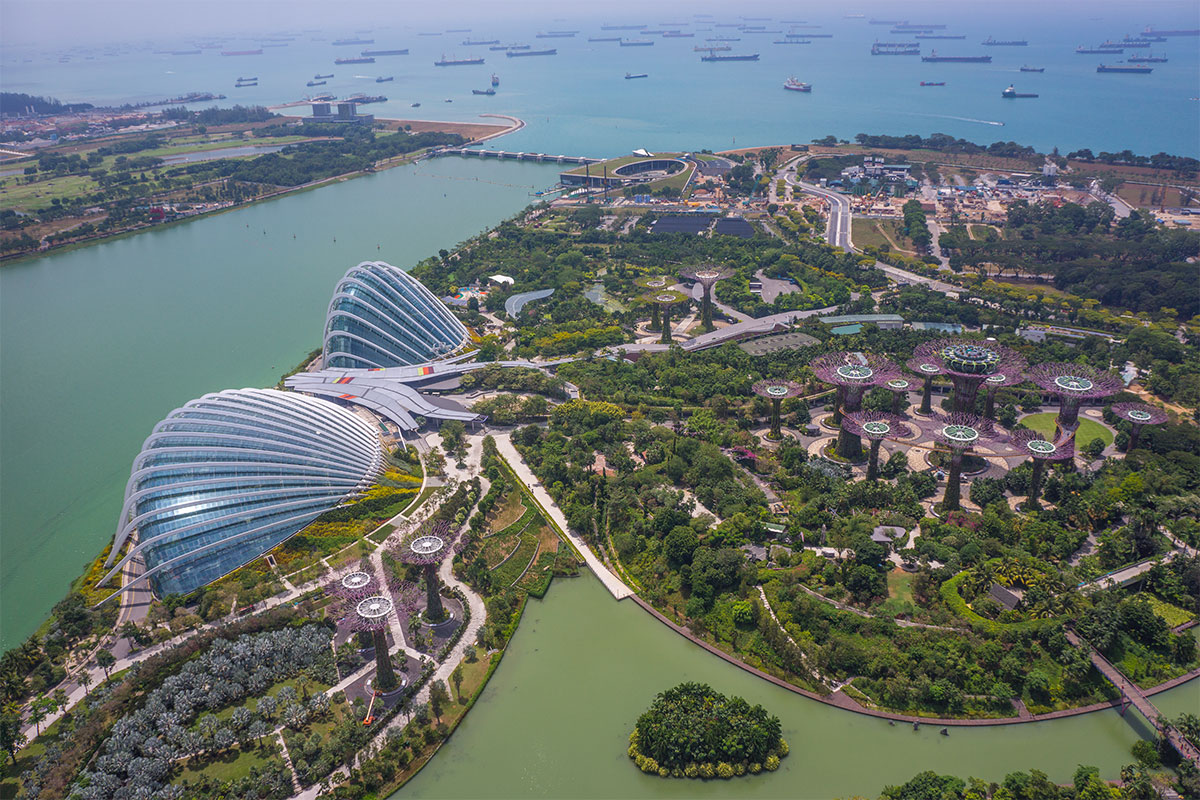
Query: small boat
x=414 y=105
x=447 y=100
x=384 y=79
x=933 y=83
x=495 y=79
x=793 y=85
x=487 y=91
x=630 y=76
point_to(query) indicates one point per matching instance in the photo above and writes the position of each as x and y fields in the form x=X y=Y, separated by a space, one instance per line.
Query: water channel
x=554 y=721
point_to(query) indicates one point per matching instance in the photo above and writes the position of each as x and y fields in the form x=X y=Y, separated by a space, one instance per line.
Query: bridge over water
x=511 y=155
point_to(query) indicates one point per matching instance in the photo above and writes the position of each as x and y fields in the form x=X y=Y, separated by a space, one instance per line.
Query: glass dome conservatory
x=227 y=477
x=381 y=316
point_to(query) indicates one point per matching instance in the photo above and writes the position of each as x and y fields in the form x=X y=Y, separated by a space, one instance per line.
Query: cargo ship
x=510 y=47
x=557 y=35
x=186 y=52
x=245 y=85
x=247 y=80
x=316 y=83
x=471 y=43
x=934 y=57
x=1011 y=93
x=933 y=83
x=457 y=62
x=1027 y=68
x=892 y=22
x=793 y=85
x=322 y=98
x=487 y=91
x=990 y=42
x=714 y=57
x=622 y=27
x=678 y=35
x=372 y=53
x=341 y=42
x=714 y=48
x=1144 y=38
x=818 y=35
x=518 y=53
x=1188 y=32
x=921 y=25
x=363 y=99
x=939 y=36
x=723 y=39
x=1133 y=44
x=792 y=41
x=1098 y=51
x=1133 y=41
x=1149 y=58
x=257 y=52
x=630 y=76
x=636 y=43
x=384 y=79
x=1135 y=69
x=896 y=49
x=359 y=60
x=319 y=77
x=604 y=39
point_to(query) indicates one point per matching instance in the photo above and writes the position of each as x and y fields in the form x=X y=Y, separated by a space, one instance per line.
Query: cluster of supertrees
x=368 y=609
x=428 y=546
x=969 y=365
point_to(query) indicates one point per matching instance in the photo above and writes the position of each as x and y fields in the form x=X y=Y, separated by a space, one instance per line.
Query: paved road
x=903 y=276
x=837 y=229
x=611 y=582
x=1119 y=206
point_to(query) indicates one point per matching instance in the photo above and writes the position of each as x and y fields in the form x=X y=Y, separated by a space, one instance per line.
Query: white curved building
x=227 y=477
x=381 y=316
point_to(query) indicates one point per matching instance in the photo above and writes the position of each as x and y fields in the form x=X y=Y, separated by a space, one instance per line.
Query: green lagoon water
x=100 y=343
x=554 y=721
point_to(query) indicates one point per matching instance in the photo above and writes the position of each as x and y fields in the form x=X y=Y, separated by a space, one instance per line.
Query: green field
x=230 y=765
x=1088 y=429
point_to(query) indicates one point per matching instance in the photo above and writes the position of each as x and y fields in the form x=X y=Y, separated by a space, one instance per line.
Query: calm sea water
x=578 y=102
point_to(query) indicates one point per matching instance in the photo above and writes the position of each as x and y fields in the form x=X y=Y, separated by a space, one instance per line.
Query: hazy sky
x=51 y=22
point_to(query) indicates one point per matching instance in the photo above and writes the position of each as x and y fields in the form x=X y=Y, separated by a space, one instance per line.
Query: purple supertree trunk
x=433 y=606
x=953 y=499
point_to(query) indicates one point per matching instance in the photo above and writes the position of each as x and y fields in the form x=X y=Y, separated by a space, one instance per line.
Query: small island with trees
x=693 y=731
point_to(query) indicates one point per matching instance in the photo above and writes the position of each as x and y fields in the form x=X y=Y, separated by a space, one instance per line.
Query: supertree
x=874 y=426
x=1138 y=415
x=776 y=391
x=352 y=587
x=371 y=615
x=958 y=432
x=654 y=282
x=852 y=374
x=428 y=546
x=968 y=364
x=899 y=388
x=1040 y=450
x=928 y=370
x=662 y=300
x=1073 y=383
x=994 y=383
x=706 y=276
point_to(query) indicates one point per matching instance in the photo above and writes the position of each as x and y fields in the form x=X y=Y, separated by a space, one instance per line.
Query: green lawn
x=900 y=585
x=1088 y=429
x=1173 y=615
x=230 y=765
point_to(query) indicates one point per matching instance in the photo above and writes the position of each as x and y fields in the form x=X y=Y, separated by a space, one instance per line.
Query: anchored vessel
x=403 y=52
x=990 y=42
x=518 y=53
x=933 y=83
x=751 y=57
x=322 y=77
x=1149 y=58
x=1011 y=93
x=630 y=76
x=1027 y=68
x=1091 y=51
x=316 y=83
x=934 y=57
x=257 y=52
x=896 y=49
x=359 y=60
x=637 y=43
x=352 y=41
x=1136 y=69
x=384 y=79
x=456 y=62
x=487 y=91
x=794 y=85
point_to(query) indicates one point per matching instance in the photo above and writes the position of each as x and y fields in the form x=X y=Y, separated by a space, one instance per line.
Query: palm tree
x=38 y=713
x=85 y=680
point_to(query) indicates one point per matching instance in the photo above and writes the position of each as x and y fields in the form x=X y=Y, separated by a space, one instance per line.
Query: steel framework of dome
x=706 y=276
x=967 y=363
x=1138 y=415
x=380 y=316
x=852 y=374
x=874 y=426
x=1040 y=451
x=776 y=391
x=958 y=433
x=1073 y=383
x=229 y=476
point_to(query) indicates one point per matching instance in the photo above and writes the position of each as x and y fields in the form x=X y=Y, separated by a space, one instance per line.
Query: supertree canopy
x=352 y=587
x=428 y=546
x=1073 y=383
x=875 y=426
x=958 y=433
x=706 y=276
x=663 y=299
x=852 y=374
x=968 y=364
x=899 y=387
x=654 y=282
x=1041 y=451
x=776 y=391
x=367 y=609
x=1138 y=415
